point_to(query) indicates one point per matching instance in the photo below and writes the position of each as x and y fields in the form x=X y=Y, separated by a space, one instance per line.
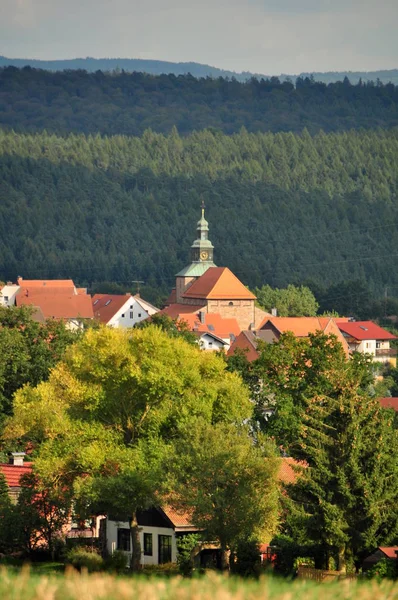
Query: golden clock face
x=204 y=255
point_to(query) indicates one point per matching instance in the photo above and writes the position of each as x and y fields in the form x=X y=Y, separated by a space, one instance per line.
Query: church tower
x=201 y=258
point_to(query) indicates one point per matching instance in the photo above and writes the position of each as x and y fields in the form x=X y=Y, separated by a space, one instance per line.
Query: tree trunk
x=136 y=544
x=342 y=564
x=224 y=558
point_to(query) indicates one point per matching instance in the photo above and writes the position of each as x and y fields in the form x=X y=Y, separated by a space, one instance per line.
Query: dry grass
x=73 y=586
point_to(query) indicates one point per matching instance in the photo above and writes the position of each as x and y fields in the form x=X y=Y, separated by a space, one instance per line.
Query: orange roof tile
x=178 y=518
x=300 y=326
x=40 y=283
x=59 y=306
x=289 y=470
x=13 y=473
x=391 y=551
x=175 y=310
x=213 y=323
x=219 y=283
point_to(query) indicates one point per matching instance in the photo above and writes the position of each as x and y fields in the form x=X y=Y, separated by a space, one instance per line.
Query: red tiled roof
x=213 y=323
x=303 y=326
x=389 y=403
x=218 y=283
x=175 y=310
x=365 y=330
x=178 y=518
x=300 y=326
x=13 y=473
x=59 y=306
x=105 y=306
x=40 y=283
x=389 y=551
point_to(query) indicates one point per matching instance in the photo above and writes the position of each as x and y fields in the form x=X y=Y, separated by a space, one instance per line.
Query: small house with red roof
x=272 y=328
x=212 y=330
x=160 y=528
x=368 y=338
x=13 y=471
x=382 y=552
x=121 y=310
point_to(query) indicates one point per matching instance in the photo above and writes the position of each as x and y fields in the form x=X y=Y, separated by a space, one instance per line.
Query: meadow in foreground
x=27 y=586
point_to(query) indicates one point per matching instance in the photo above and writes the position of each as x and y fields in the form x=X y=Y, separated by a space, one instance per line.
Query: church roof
x=219 y=283
x=195 y=269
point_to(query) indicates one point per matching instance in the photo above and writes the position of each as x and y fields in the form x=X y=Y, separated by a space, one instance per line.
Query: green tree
x=295 y=370
x=116 y=394
x=227 y=483
x=28 y=350
x=345 y=500
x=289 y=302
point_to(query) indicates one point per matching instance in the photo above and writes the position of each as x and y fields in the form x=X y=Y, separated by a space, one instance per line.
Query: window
x=367 y=344
x=108 y=302
x=5 y=298
x=148 y=544
x=164 y=549
x=139 y=314
x=378 y=344
x=131 y=306
x=123 y=540
x=131 y=315
x=210 y=344
x=230 y=303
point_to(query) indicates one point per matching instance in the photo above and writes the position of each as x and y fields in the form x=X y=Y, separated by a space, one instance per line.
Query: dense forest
x=282 y=208
x=130 y=103
x=161 y=67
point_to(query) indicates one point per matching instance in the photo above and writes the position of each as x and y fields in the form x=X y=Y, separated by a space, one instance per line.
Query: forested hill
x=77 y=101
x=160 y=67
x=282 y=208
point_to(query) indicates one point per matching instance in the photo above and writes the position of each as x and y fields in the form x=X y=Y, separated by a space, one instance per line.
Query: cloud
x=266 y=36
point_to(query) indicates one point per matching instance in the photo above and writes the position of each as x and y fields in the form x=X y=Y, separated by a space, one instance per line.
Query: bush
x=185 y=545
x=248 y=560
x=117 y=562
x=384 y=569
x=85 y=558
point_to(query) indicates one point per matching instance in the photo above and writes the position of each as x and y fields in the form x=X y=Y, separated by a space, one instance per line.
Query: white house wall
x=8 y=294
x=111 y=533
x=130 y=314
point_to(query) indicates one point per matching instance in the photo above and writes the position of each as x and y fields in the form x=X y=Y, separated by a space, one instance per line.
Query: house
x=8 y=294
x=368 y=338
x=55 y=299
x=159 y=530
x=121 y=310
x=272 y=328
x=202 y=286
x=13 y=471
x=380 y=553
x=212 y=330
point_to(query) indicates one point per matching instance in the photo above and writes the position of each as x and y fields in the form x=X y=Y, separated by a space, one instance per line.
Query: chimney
x=202 y=316
x=252 y=326
x=274 y=312
x=16 y=458
x=19 y=280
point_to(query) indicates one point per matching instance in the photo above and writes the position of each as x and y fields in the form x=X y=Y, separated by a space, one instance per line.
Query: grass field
x=27 y=585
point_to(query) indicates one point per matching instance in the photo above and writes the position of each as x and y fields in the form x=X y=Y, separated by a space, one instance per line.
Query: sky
x=260 y=36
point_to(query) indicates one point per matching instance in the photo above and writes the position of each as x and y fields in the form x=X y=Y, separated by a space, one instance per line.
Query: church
x=203 y=288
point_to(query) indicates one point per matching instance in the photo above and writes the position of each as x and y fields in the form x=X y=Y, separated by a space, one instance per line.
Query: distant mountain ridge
x=158 y=67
